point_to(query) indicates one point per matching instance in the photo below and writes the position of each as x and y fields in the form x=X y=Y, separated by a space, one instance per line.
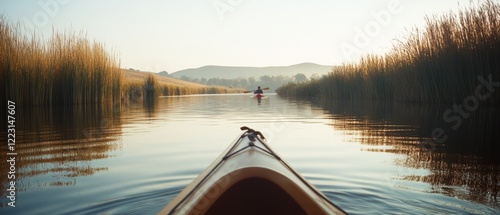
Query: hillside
x=231 y=72
x=134 y=75
x=135 y=82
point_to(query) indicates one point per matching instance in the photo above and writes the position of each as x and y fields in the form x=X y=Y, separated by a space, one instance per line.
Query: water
x=367 y=158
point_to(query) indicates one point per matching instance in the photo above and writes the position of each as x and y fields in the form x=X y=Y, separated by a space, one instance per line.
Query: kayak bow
x=250 y=178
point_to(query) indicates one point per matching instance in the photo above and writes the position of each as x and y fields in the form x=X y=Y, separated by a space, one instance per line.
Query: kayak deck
x=250 y=178
x=255 y=196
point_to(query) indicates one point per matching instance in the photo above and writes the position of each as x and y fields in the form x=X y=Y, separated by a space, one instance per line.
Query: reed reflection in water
x=136 y=158
x=466 y=166
x=57 y=145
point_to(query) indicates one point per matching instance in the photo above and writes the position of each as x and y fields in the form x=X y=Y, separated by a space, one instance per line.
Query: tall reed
x=439 y=64
x=70 y=69
x=67 y=69
x=150 y=85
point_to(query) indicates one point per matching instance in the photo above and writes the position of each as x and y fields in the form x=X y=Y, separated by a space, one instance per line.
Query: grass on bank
x=147 y=85
x=67 y=69
x=439 y=64
x=70 y=69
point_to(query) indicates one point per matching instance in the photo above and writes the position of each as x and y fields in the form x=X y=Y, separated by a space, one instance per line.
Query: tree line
x=273 y=82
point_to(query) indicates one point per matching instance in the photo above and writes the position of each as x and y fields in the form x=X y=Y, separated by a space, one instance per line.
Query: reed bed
x=150 y=87
x=439 y=64
x=70 y=69
x=67 y=69
x=170 y=90
x=305 y=89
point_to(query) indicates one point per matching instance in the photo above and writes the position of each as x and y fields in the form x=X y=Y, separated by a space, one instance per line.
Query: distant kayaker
x=258 y=91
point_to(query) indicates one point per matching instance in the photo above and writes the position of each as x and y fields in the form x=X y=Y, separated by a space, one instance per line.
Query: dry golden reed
x=67 y=69
x=70 y=69
x=439 y=64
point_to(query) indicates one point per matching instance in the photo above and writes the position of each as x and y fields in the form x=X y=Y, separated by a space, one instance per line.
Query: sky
x=168 y=35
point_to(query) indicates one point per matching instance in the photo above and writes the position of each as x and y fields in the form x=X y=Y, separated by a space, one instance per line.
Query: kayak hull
x=250 y=178
x=258 y=96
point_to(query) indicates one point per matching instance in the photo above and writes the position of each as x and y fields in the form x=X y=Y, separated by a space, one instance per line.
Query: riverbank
x=69 y=69
x=454 y=59
x=140 y=84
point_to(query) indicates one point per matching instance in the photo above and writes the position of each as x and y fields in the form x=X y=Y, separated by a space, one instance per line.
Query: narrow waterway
x=367 y=158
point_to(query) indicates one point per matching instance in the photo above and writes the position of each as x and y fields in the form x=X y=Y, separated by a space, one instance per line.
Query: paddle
x=248 y=91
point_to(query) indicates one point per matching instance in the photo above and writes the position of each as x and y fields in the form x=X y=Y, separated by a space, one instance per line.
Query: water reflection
x=467 y=165
x=62 y=147
x=150 y=106
x=61 y=143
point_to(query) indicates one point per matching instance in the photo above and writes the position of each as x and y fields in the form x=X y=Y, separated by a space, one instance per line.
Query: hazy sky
x=173 y=35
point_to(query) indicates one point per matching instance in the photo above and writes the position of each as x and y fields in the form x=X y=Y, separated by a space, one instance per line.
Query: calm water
x=367 y=158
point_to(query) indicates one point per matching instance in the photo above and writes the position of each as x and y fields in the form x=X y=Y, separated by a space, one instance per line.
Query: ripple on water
x=363 y=164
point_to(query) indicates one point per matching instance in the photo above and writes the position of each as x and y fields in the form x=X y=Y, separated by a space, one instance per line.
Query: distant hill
x=231 y=72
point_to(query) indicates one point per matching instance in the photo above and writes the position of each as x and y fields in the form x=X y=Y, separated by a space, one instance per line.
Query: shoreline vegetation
x=441 y=64
x=147 y=85
x=70 y=69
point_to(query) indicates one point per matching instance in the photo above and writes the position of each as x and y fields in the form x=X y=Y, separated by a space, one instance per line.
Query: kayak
x=250 y=178
x=259 y=96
